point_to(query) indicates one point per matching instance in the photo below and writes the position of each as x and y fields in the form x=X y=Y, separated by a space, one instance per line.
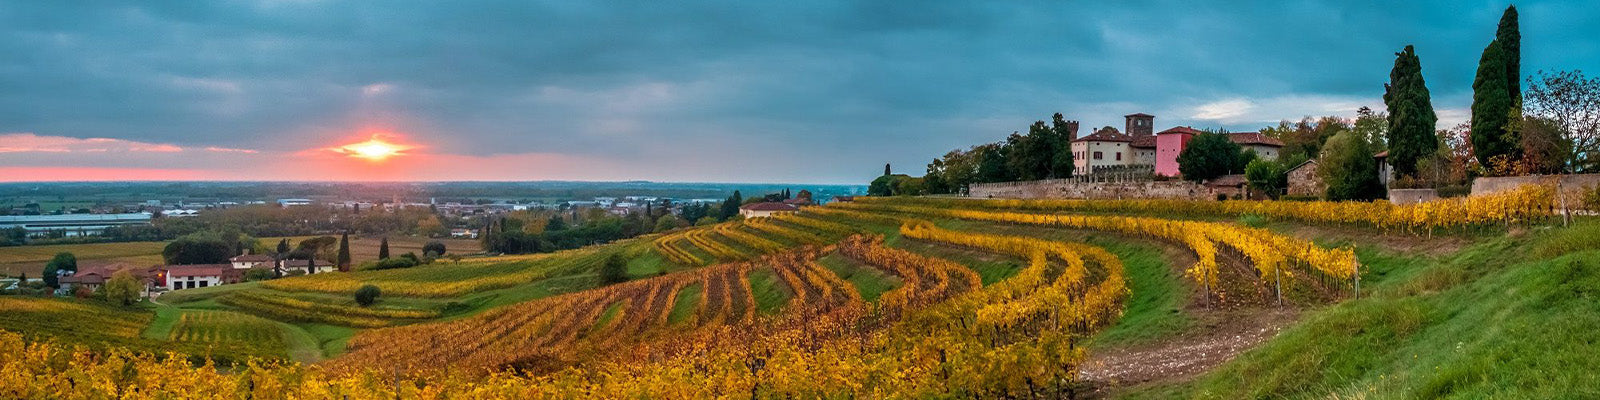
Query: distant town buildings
x=71 y=224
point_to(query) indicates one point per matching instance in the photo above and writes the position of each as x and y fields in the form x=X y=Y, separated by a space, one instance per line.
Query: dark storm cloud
x=785 y=90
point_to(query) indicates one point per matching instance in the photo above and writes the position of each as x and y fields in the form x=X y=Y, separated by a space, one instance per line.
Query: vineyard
x=876 y=298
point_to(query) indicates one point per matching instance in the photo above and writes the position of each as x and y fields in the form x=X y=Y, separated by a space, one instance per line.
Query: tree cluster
x=1045 y=152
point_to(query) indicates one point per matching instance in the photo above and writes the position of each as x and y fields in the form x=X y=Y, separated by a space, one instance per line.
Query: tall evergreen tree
x=1411 y=116
x=383 y=249
x=344 y=252
x=1491 y=108
x=886 y=170
x=1061 y=164
x=283 y=247
x=1510 y=37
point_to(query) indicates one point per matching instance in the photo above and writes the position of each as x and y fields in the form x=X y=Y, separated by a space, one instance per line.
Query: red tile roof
x=769 y=206
x=1107 y=134
x=1180 y=129
x=1144 y=141
x=1254 y=138
x=252 y=258
x=1384 y=154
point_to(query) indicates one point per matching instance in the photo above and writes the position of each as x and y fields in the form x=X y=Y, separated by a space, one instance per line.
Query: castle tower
x=1140 y=124
x=1072 y=130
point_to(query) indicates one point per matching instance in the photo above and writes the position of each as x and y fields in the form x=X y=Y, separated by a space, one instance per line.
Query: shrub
x=258 y=274
x=615 y=270
x=1591 y=198
x=367 y=294
x=1252 y=220
x=391 y=263
x=435 y=247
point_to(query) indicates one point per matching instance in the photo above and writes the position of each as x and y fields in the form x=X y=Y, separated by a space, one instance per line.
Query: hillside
x=920 y=297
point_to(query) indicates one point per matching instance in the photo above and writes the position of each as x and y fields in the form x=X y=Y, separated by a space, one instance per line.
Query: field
x=940 y=298
x=16 y=260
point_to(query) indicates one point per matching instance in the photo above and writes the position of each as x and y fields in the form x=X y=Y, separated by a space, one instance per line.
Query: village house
x=1265 y=147
x=1103 y=148
x=304 y=267
x=766 y=209
x=93 y=277
x=200 y=275
x=248 y=261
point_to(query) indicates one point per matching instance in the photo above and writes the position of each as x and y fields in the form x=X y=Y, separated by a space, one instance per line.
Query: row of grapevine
x=771 y=226
x=1525 y=203
x=551 y=331
x=226 y=327
x=447 y=279
x=1270 y=253
x=668 y=246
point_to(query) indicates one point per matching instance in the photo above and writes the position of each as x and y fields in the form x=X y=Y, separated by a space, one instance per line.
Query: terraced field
x=876 y=298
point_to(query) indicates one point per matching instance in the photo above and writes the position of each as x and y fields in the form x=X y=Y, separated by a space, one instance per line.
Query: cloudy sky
x=736 y=91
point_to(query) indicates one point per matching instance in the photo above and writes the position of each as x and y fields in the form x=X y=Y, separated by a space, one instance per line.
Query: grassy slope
x=868 y=281
x=684 y=308
x=1502 y=318
x=769 y=291
x=1154 y=308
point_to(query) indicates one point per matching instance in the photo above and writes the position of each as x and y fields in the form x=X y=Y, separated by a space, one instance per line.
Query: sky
x=730 y=91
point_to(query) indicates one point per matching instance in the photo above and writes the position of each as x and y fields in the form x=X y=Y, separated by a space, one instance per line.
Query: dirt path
x=1219 y=337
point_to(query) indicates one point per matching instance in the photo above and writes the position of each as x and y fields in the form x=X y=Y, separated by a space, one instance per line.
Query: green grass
x=1494 y=320
x=769 y=292
x=684 y=308
x=1154 y=308
x=868 y=281
x=610 y=313
x=330 y=339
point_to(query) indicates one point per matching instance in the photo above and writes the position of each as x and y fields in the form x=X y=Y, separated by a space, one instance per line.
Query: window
x=203 y=283
x=1097 y=155
x=1119 y=156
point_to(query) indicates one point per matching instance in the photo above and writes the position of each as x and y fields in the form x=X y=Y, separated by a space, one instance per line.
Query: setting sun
x=373 y=149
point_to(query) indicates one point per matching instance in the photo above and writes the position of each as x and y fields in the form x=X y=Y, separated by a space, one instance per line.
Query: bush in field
x=435 y=247
x=123 y=288
x=615 y=270
x=367 y=294
x=258 y=274
x=407 y=260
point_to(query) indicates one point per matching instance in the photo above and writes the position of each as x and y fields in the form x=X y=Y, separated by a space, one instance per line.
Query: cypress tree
x=344 y=252
x=886 y=169
x=1491 y=107
x=1411 y=115
x=383 y=249
x=1510 y=38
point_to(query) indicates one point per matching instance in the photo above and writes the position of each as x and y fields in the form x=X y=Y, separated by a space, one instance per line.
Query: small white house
x=199 y=276
x=249 y=261
x=305 y=267
x=766 y=209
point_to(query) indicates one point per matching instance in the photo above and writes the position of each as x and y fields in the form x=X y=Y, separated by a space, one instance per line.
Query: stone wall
x=1571 y=185
x=1304 y=181
x=1412 y=196
x=1078 y=189
x=1482 y=186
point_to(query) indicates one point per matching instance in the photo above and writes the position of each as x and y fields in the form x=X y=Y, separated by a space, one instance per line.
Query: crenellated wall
x=1078 y=189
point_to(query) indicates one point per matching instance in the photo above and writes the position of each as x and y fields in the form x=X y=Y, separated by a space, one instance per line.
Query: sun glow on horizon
x=374 y=149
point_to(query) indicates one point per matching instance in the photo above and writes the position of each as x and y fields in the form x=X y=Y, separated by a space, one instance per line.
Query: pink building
x=1168 y=144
